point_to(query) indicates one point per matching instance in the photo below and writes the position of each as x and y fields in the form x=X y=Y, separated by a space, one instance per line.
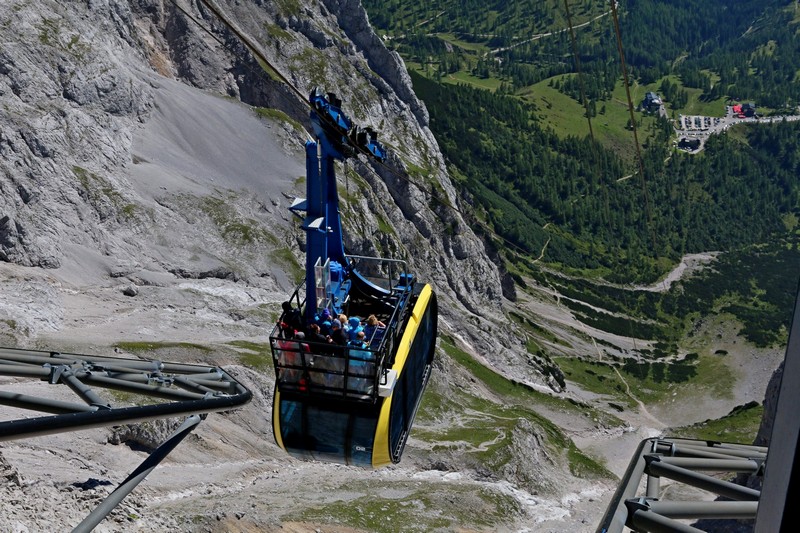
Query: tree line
x=522 y=177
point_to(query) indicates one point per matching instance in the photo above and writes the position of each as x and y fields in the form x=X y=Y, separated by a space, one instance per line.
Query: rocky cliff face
x=92 y=115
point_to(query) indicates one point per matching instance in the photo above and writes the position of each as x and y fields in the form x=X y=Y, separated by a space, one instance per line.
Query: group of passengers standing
x=327 y=329
x=330 y=366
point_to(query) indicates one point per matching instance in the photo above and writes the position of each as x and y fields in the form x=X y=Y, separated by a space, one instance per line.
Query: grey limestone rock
x=109 y=146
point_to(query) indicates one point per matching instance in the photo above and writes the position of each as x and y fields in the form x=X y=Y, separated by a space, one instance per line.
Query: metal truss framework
x=153 y=390
x=684 y=461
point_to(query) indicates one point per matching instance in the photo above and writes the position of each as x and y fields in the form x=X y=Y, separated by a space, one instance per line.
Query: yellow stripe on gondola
x=381 y=454
x=276 y=419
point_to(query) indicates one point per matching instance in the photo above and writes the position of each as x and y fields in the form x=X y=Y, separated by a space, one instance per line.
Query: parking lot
x=701 y=127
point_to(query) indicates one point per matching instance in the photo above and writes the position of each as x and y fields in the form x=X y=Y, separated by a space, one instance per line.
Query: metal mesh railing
x=316 y=368
x=185 y=389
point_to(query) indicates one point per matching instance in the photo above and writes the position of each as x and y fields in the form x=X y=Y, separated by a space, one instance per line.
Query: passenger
x=291 y=358
x=315 y=335
x=305 y=359
x=338 y=336
x=319 y=360
x=343 y=319
x=292 y=317
x=324 y=322
x=361 y=366
x=303 y=349
x=355 y=328
x=332 y=363
x=359 y=341
x=286 y=331
x=374 y=331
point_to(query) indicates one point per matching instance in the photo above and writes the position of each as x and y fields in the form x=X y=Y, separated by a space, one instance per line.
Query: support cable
x=137 y=476
x=259 y=55
x=626 y=82
x=585 y=101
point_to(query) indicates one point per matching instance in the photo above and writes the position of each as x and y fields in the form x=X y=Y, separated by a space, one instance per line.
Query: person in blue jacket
x=355 y=327
x=361 y=365
x=323 y=320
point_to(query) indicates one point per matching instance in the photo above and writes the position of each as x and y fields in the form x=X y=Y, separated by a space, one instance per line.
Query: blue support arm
x=337 y=139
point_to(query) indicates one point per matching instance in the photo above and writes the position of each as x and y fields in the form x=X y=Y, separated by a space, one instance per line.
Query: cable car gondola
x=353 y=403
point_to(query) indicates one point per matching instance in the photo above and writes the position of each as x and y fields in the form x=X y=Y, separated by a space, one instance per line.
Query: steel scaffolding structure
x=640 y=505
x=153 y=390
x=684 y=461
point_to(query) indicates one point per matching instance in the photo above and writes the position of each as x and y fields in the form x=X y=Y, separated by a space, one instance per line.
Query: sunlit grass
x=478 y=47
x=739 y=426
x=566 y=116
x=253 y=354
x=484 y=427
x=151 y=346
x=439 y=506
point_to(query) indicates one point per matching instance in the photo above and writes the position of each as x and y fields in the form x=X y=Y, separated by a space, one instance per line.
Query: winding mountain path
x=548 y=34
x=642 y=408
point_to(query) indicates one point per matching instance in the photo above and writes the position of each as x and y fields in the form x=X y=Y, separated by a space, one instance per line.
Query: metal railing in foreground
x=644 y=508
x=685 y=461
x=149 y=390
x=344 y=372
x=188 y=389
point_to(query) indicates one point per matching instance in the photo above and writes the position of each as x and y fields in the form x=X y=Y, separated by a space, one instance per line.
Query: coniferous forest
x=578 y=203
x=524 y=178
